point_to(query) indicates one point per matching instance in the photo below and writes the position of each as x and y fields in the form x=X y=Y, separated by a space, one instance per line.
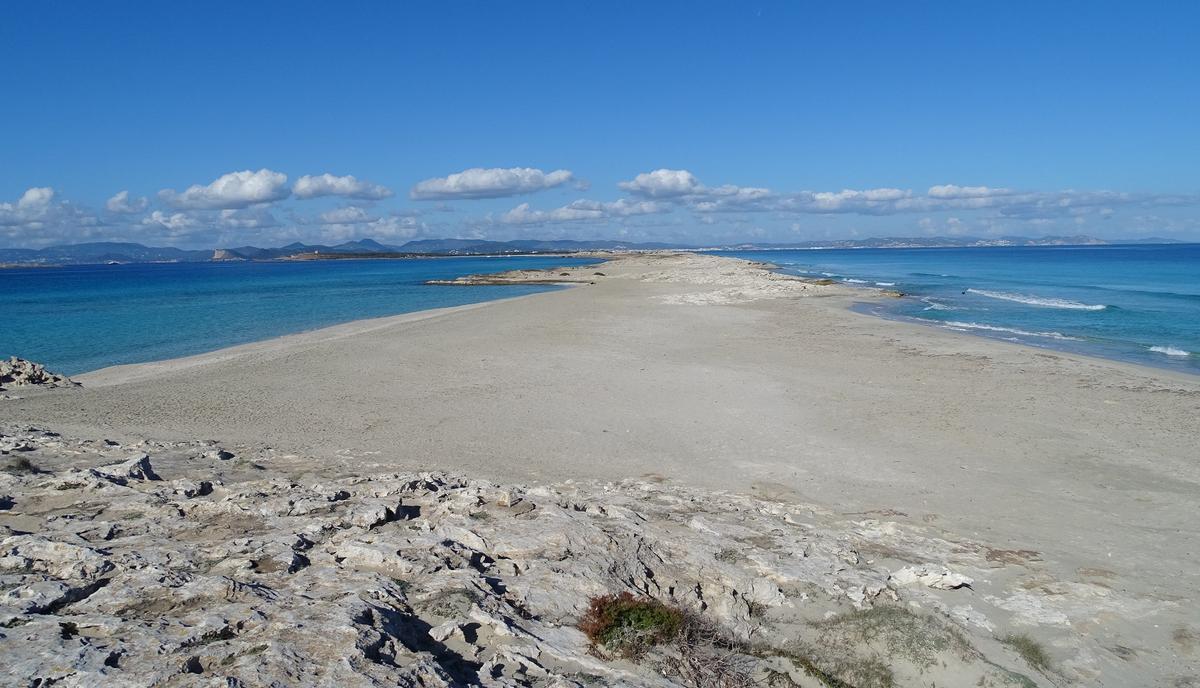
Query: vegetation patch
x=1030 y=650
x=628 y=626
x=899 y=632
x=686 y=646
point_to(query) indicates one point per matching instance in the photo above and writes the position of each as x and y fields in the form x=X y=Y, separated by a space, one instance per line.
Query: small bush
x=1030 y=650
x=690 y=647
x=628 y=626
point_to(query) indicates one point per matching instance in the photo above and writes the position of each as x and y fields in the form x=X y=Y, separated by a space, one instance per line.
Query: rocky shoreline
x=186 y=563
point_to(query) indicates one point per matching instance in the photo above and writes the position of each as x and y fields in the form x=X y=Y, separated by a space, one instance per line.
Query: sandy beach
x=1078 y=475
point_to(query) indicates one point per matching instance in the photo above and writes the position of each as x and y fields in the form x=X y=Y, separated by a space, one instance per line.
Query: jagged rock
x=134 y=468
x=428 y=579
x=938 y=577
x=191 y=488
x=18 y=372
x=58 y=559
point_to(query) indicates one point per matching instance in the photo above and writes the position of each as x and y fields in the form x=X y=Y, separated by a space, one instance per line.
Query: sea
x=1138 y=303
x=75 y=319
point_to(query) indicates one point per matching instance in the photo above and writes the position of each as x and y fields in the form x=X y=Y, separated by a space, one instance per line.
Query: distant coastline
x=369 y=249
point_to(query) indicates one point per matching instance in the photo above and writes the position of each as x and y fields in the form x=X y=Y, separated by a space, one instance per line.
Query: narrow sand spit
x=1063 y=487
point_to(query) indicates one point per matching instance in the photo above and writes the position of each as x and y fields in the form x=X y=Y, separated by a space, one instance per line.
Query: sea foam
x=954 y=324
x=1170 y=351
x=1043 y=302
x=938 y=305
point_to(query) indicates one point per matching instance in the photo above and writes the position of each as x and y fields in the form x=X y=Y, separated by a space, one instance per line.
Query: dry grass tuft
x=1030 y=650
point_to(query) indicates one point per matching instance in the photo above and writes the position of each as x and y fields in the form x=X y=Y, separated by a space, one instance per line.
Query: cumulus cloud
x=349 y=215
x=249 y=218
x=38 y=218
x=122 y=204
x=233 y=190
x=31 y=207
x=955 y=191
x=582 y=210
x=496 y=182
x=864 y=201
x=394 y=227
x=390 y=228
x=173 y=222
x=663 y=183
x=310 y=186
x=681 y=186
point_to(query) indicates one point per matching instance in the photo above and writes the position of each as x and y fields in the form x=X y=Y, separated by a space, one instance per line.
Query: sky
x=224 y=124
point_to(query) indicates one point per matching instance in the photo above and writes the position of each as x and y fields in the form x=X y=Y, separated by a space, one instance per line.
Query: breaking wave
x=937 y=305
x=954 y=324
x=1038 y=300
x=1170 y=351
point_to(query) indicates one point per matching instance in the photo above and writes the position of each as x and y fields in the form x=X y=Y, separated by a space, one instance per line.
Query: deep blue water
x=80 y=318
x=1135 y=303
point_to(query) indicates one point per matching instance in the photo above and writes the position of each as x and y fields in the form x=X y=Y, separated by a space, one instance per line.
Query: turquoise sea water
x=1135 y=303
x=79 y=318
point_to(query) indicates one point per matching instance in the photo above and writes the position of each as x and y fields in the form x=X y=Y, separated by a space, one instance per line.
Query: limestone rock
x=134 y=468
x=938 y=577
x=217 y=575
x=18 y=372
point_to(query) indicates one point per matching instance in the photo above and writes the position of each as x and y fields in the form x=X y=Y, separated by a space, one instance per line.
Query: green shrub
x=628 y=626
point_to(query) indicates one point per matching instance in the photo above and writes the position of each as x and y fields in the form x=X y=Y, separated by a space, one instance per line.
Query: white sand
x=710 y=373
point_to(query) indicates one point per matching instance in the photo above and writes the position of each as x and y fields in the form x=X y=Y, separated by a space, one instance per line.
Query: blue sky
x=769 y=121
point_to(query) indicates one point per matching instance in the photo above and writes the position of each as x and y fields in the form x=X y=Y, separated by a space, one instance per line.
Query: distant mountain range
x=126 y=252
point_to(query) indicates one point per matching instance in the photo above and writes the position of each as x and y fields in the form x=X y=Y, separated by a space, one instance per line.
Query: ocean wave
x=956 y=325
x=885 y=284
x=849 y=280
x=1170 y=351
x=937 y=305
x=1038 y=300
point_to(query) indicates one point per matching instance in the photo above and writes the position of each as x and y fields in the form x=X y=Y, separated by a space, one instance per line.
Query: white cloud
x=249 y=218
x=582 y=210
x=390 y=228
x=349 y=215
x=955 y=191
x=233 y=190
x=394 y=227
x=867 y=201
x=37 y=218
x=663 y=183
x=310 y=186
x=35 y=198
x=681 y=186
x=175 y=223
x=31 y=207
x=496 y=182
x=123 y=205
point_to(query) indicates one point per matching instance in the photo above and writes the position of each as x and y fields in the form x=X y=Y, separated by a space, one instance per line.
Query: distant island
x=129 y=252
